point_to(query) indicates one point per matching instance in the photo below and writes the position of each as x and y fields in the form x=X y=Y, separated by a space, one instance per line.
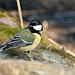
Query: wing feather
x=21 y=39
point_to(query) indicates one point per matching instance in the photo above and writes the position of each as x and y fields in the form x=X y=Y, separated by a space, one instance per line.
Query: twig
x=61 y=47
x=20 y=14
x=71 y=53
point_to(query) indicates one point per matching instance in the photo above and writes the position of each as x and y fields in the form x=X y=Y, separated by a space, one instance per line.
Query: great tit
x=27 y=39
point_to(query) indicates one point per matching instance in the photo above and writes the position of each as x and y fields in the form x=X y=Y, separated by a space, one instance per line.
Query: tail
x=3 y=48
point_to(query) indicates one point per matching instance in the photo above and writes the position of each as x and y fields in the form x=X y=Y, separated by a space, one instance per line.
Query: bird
x=27 y=39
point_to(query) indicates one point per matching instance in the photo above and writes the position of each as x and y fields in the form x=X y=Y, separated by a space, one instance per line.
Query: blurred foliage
x=6 y=32
x=3 y=14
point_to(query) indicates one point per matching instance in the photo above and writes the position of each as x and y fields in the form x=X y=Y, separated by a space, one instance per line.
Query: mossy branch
x=20 y=14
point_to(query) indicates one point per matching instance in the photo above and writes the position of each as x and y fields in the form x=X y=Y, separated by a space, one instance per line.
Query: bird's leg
x=29 y=55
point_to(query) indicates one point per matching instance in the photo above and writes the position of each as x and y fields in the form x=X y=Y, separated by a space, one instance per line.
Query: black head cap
x=35 y=22
x=35 y=26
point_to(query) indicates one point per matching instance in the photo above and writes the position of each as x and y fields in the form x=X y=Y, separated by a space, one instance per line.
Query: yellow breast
x=34 y=45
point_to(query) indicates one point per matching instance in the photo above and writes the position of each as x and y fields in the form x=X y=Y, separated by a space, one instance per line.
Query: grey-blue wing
x=18 y=41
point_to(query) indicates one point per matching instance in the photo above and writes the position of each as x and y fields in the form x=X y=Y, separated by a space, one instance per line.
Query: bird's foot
x=29 y=55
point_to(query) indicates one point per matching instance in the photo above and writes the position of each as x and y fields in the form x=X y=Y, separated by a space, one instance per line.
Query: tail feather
x=2 y=48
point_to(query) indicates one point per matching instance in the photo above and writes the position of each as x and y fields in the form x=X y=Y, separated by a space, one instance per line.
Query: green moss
x=7 y=30
x=2 y=14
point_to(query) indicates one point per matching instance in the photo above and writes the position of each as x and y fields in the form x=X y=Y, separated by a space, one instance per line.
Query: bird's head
x=35 y=26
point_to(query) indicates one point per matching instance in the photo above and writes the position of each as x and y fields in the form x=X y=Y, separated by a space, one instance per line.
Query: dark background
x=56 y=5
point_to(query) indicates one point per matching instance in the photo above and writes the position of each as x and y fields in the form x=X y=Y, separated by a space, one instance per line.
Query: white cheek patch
x=38 y=27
